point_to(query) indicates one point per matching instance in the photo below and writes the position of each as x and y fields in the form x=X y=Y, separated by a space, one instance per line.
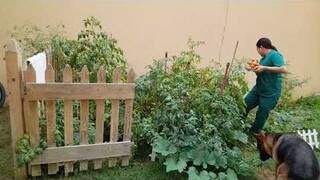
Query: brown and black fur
x=294 y=158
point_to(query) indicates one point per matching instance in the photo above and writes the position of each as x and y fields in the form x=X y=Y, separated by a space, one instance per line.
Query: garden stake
x=165 y=62
x=228 y=68
x=224 y=79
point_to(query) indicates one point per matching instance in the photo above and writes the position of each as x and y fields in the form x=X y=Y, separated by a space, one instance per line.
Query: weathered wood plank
x=114 y=116
x=101 y=78
x=83 y=152
x=84 y=117
x=32 y=119
x=49 y=57
x=69 y=91
x=14 y=75
x=128 y=118
x=51 y=120
x=68 y=119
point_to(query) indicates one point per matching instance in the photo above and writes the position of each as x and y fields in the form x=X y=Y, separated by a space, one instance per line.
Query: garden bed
x=144 y=169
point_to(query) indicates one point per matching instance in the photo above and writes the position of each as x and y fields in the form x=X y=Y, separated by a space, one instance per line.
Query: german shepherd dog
x=294 y=158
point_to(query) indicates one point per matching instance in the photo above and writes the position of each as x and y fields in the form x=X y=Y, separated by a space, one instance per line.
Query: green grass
x=262 y=170
x=302 y=114
x=312 y=103
x=136 y=171
x=144 y=170
x=6 y=163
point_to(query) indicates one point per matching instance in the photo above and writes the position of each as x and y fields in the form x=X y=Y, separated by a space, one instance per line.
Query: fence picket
x=304 y=135
x=101 y=78
x=51 y=120
x=310 y=140
x=68 y=119
x=84 y=117
x=32 y=120
x=316 y=138
x=128 y=117
x=115 y=103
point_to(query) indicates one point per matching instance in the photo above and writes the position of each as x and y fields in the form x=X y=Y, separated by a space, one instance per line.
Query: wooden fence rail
x=23 y=89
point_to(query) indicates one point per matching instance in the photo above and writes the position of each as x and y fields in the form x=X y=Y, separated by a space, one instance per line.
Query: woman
x=266 y=92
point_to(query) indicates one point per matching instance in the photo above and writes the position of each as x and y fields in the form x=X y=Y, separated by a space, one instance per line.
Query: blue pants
x=266 y=104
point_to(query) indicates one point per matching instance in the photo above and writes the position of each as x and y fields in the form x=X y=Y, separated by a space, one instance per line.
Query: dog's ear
x=260 y=136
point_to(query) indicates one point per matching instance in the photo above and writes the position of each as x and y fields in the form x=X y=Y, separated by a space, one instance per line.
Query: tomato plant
x=179 y=111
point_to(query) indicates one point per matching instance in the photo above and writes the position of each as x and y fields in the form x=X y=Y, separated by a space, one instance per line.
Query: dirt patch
x=266 y=174
x=6 y=163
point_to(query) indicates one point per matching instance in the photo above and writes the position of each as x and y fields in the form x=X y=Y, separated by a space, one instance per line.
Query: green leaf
x=204 y=165
x=222 y=176
x=193 y=174
x=181 y=165
x=242 y=137
x=204 y=175
x=221 y=161
x=212 y=175
x=172 y=149
x=184 y=156
x=210 y=159
x=231 y=175
x=172 y=164
x=228 y=175
x=199 y=158
x=192 y=154
x=164 y=147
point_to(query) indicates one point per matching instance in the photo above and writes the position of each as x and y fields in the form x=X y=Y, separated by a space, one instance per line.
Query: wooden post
x=68 y=119
x=51 y=119
x=84 y=117
x=32 y=119
x=128 y=117
x=115 y=103
x=101 y=78
x=14 y=87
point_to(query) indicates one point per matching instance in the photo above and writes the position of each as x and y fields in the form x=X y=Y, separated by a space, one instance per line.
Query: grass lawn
x=135 y=171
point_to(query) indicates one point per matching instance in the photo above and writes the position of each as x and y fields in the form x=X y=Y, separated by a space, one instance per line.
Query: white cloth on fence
x=39 y=64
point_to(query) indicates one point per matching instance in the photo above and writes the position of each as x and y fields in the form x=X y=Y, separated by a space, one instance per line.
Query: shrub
x=93 y=48
x=179 y=111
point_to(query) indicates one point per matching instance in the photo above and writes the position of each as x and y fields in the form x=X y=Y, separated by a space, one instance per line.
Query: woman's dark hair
x=266 y=43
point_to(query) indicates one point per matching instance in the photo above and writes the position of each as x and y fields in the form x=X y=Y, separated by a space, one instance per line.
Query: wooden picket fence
x=25 y=95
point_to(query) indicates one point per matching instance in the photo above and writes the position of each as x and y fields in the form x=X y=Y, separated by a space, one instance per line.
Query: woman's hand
x=258 y=69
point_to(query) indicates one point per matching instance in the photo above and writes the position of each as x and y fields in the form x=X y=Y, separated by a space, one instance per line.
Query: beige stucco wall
x=146 y=29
